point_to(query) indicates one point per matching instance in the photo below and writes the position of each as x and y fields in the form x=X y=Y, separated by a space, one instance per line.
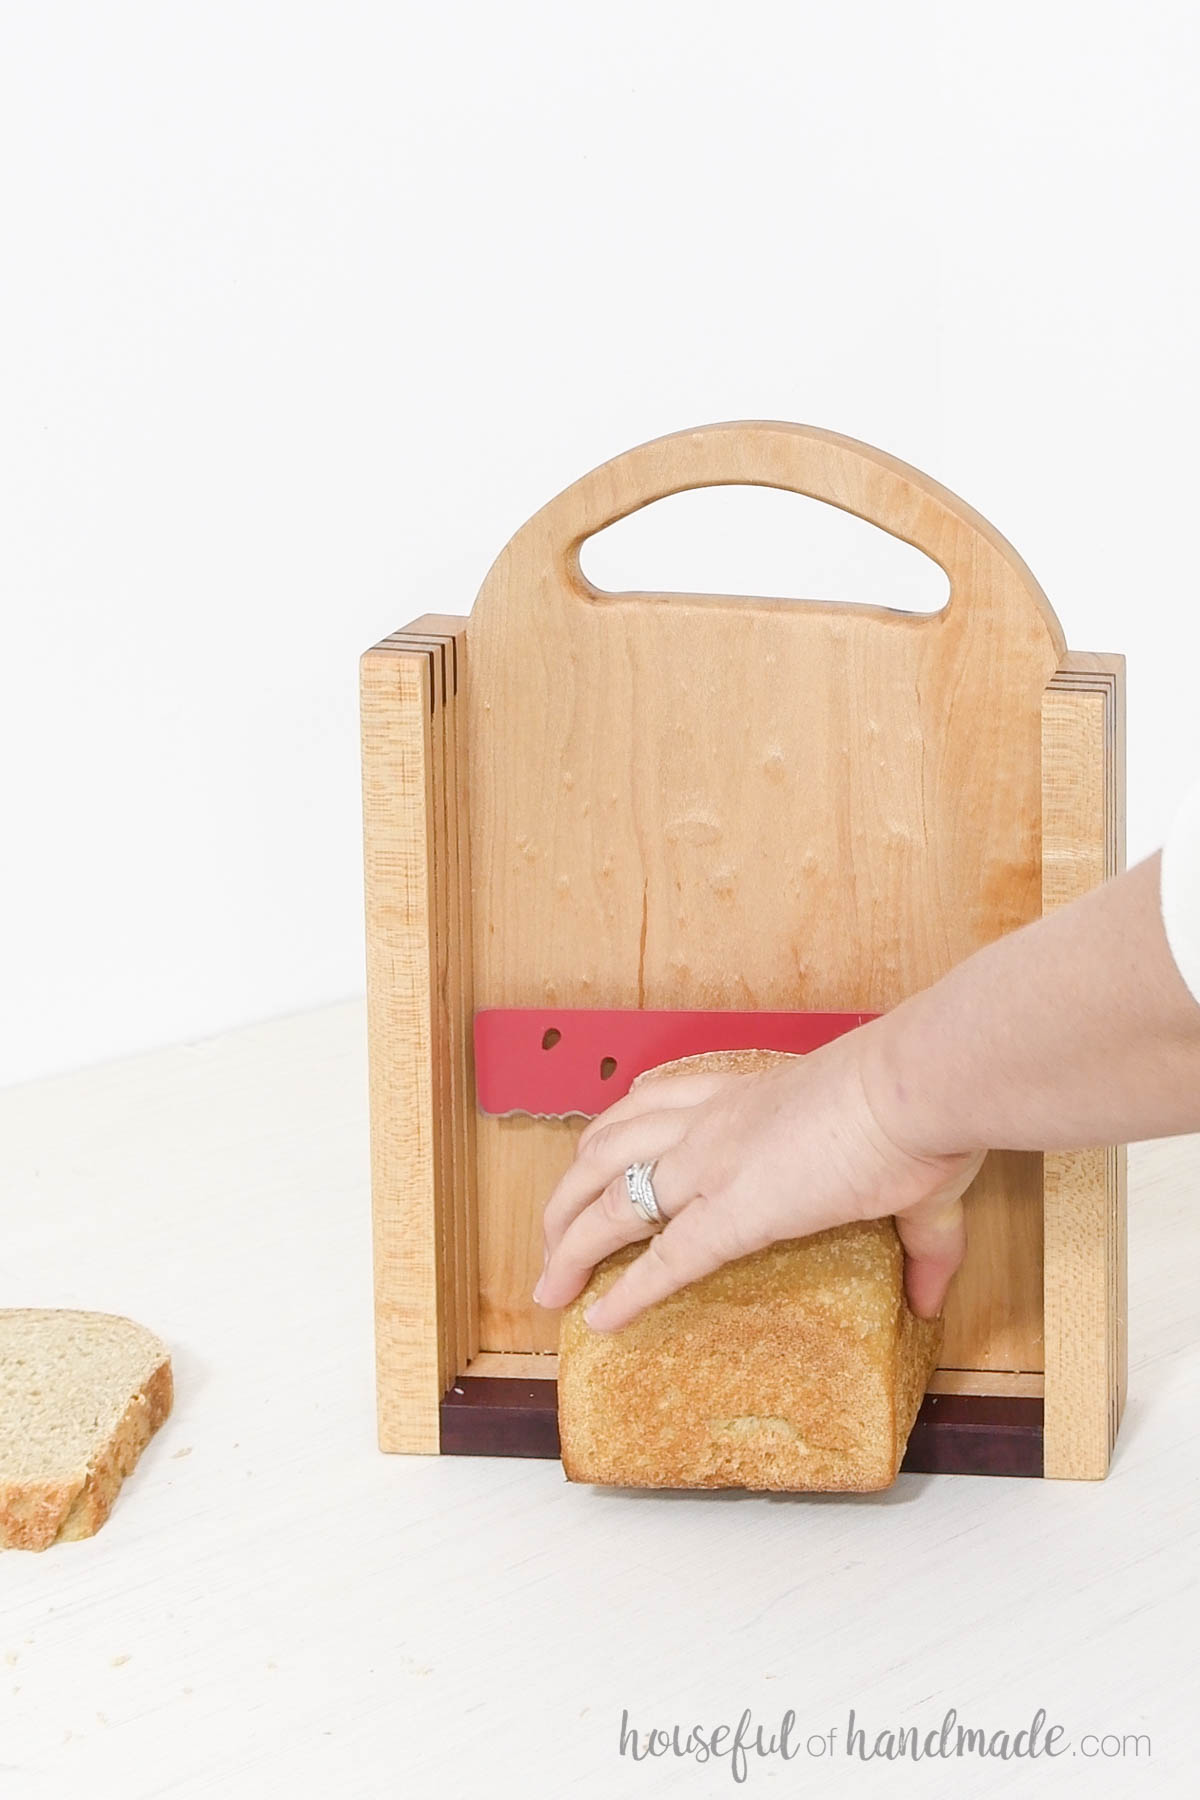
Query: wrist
x=905 y=1081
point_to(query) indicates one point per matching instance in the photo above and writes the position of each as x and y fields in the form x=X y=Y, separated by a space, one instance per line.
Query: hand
x=743 y=1160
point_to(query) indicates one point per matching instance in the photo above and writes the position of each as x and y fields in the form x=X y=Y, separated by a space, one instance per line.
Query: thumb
x=934 y=1236
x=935 y=1242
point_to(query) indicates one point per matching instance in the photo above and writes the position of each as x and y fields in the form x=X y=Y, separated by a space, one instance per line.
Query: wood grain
x=412 y=1291
x=1083 y=801
x=706 y=801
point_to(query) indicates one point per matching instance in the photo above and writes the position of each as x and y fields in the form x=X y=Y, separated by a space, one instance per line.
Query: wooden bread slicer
x=603 y=830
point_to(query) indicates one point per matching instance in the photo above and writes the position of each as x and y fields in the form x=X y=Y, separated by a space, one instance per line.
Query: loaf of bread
x=81 y=1394
x=799 y=1367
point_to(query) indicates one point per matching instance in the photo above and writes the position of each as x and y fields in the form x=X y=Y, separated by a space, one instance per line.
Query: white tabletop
x=275 y=1608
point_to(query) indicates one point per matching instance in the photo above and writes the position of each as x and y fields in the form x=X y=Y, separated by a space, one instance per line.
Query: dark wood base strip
x=954 y=1434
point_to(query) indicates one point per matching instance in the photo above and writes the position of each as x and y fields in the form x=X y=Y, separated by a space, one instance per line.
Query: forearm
x=1076 y=1029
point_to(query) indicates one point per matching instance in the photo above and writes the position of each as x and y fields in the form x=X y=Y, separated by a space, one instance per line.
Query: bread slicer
x=604 y=830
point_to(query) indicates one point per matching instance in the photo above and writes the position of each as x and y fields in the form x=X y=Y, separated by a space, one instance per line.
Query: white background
x=305 y=308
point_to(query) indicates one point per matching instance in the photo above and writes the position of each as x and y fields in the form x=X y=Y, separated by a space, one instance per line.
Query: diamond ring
x=641 y=1193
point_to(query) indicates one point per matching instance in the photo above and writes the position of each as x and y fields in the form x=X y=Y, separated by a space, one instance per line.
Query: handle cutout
x=743 y=540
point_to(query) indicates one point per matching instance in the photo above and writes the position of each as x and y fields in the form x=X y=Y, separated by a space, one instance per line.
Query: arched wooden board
x=711 y=801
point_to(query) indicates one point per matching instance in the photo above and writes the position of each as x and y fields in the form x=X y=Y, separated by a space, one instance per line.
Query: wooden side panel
x=1084 y=1296
x=411 y=1293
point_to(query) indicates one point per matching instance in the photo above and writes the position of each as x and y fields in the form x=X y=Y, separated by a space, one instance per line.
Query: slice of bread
x=81 y=1394
x=799 y=1367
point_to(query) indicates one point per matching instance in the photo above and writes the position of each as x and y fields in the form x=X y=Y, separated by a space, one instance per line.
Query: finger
x=605 y=1155
x=657 y=1092
x=610 y=1222
x=935 y=1242
x=698 y=1240
x=934 y=1236
x=610 y=1218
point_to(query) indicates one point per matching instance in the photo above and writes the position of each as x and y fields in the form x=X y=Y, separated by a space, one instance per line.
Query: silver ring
x=641 y=1193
